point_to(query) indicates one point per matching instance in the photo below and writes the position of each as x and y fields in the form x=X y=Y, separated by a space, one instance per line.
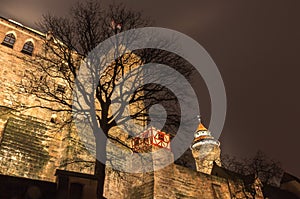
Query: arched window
x=9 y=40
x=28 y=48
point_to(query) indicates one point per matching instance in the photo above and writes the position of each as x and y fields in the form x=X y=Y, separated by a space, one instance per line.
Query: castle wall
x=173 y=181
x=120 y=185
x=56 y=147
x=176 y=181
x=29 y=148
x=15 y=65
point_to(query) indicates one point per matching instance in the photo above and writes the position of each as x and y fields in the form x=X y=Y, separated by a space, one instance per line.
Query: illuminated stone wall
x=31 y=145
x=29 y=148
x=174 y=181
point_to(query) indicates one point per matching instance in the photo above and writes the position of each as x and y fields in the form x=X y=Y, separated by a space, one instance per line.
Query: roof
x=288 y=178
x=203 y=136
x=228 y=174
x=277 y=193
x=201 y=127
x=38 y=33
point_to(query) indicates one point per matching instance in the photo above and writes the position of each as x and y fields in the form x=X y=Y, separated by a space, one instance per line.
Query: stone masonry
x=32 y=144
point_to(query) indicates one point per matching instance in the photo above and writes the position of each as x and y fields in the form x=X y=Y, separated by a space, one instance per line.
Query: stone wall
x=34 y=148
x=29 y=148
x=128 y=185
x=71 y=152
x=173 y=181
x=176 y=181
x=14 y=66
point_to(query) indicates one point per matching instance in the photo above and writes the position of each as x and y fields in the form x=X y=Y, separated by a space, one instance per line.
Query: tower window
x=9 y=40
x=28 y=48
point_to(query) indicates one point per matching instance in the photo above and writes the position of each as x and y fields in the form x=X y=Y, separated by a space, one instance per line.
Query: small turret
x=205 y=149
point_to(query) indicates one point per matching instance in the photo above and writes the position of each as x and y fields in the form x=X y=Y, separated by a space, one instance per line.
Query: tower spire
x=201 y=127
x=199 y=118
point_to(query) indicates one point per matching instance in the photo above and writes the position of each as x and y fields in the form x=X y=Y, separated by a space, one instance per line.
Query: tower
x=205 y=149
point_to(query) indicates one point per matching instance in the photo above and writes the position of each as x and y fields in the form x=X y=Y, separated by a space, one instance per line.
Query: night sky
x=256 y=46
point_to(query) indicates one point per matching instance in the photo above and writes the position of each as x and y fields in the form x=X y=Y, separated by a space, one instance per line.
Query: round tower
x=206 y=150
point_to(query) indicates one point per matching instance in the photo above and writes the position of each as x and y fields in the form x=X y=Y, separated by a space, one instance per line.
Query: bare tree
x=69 y=41
x=267 y=170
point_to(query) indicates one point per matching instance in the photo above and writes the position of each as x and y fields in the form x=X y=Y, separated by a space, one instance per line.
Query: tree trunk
x=100 y=166
x=100 y=175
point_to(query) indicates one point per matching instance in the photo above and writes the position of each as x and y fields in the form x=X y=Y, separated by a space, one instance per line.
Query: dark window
x=60 y=88
x=161 y=136
x=76 y=191
x=9 y=40
x=28 y=48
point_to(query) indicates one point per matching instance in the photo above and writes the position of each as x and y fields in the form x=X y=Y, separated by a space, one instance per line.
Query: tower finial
x=199 y=118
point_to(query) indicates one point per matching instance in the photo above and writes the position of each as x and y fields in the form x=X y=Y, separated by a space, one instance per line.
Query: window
x=9 y=40
x=60 y=88
x=28 y=48
x=136 y=141
x=161 y=136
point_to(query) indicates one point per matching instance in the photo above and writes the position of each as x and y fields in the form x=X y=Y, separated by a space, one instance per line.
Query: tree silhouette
x=266 y=169
x=69 y=42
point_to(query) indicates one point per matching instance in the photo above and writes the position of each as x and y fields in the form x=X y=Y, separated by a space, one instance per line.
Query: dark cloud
x=255 y=44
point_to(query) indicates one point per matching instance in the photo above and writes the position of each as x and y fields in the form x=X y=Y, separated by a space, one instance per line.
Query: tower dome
x=203 y=136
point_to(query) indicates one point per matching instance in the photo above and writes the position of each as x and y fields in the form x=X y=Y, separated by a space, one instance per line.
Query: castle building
x=34 y=153
x=33 y=150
